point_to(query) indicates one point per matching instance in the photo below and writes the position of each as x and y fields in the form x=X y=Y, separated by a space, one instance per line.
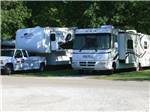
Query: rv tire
x=113 y=67
x=42 y=67
x=138 y=68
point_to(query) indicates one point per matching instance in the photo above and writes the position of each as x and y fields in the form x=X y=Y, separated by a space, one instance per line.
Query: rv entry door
x=130 y=54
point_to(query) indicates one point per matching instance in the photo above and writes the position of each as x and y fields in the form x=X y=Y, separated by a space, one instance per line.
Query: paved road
x=73 y=93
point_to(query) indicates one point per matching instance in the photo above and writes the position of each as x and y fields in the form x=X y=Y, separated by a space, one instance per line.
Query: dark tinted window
x=24 y=53
x=31 y=54
x=92 y=41
x=52 y=36
x=130 y=44
x=145 y=45
x=18 y=54
x=114 y=40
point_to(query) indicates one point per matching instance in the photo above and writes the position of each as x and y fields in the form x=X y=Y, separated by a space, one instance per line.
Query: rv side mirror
x=116 y=45
x=68 y=37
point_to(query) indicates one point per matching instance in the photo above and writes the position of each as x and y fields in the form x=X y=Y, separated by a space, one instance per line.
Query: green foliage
x=57 y=13
x=43 y=14
x=13 y=16
x=125 y=15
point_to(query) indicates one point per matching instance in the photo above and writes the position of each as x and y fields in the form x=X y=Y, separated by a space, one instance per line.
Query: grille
x=82 y=63
x=87 y=63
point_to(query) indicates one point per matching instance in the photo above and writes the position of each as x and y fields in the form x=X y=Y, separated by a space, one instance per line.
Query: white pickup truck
x=17 y=59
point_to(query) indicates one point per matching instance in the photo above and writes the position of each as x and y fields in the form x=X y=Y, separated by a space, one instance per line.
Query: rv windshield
x=92 y=41
x=7 y=52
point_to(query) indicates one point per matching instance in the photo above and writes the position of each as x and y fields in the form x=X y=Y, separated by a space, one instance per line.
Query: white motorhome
x=47 y=42
x=107 y=48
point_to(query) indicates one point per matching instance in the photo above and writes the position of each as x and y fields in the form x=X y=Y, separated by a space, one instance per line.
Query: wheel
x=138 y=68
x=42 y=67
x=113 y=68
x=8 y=70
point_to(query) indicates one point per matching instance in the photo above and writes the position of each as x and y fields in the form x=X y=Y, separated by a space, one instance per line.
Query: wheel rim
x=138 y=68
x=8 y=70
x=42 y=68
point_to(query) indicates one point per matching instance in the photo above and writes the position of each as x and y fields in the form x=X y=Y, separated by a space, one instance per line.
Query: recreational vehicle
x=48 y=42
x=107 y=48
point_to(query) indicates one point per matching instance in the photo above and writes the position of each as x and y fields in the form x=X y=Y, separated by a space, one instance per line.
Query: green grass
x=141 y=75
x=132 y=75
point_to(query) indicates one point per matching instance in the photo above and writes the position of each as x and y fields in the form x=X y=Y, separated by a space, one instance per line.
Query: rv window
x=25 y=34
x=92 y=41
x=52 y=36
x=145 y=45
x=115 y=36
x=24 y=53
x=130 y=44
x=31 y=54
x=114 y=40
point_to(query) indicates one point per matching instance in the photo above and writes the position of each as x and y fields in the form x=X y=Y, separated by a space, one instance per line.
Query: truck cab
x=19 y=59
x=95 y=48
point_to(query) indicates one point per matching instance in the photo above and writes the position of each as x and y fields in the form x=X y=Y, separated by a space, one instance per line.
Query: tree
x=62 y=14
x=124 y=15
x=14 y=15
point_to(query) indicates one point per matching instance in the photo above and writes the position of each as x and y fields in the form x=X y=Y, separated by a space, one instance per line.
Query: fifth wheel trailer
x=48 y=42
x=133 y=49
x=107 y=48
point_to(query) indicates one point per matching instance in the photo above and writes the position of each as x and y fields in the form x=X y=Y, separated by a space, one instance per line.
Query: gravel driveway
x=73 y=93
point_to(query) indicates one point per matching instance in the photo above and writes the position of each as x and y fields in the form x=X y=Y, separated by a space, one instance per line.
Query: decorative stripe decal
x=92 y=53
x=138 y=55
x=116 y=56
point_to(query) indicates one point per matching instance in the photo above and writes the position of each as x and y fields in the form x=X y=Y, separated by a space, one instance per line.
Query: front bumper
x=92 y=65
x=2 y=67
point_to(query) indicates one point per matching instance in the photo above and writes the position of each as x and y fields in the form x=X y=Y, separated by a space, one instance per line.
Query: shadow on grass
x=50 y=71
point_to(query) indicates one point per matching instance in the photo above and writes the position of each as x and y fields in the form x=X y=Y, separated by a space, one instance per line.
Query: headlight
x=74 y=63
x=103 y=62
x=1 y=61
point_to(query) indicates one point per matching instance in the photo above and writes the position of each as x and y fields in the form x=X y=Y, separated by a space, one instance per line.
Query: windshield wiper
x=82 y=48
x=87 y=48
